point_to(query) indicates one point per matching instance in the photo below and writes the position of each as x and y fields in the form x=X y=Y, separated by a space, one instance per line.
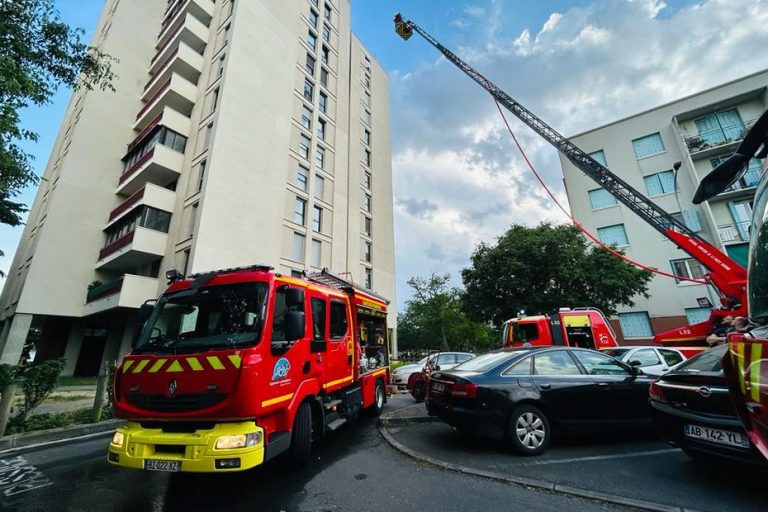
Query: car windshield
x=212 y=317
x=708 y=361
x=485 y=362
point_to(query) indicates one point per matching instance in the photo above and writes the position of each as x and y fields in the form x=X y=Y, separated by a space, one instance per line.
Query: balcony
x=734 y=233
x=161 y=165
x=183 y=61
x=127 y=292
x=134 y=249
x=202 y=10
x=151 y=195
x=715 y=141
x=177 y=93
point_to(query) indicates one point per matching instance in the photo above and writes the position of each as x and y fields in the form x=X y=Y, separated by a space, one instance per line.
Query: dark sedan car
x=525 y=395
x=692 y=409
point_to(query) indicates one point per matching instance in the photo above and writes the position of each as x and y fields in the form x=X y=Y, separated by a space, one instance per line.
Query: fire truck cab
x=232 y=368
x=578 y=327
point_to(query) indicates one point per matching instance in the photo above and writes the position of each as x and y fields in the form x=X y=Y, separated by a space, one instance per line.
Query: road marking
x=84 y=437
x=17 y=475
x=599 y=457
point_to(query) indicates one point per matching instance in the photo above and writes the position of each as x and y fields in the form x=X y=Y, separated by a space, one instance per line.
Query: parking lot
x=635 y=467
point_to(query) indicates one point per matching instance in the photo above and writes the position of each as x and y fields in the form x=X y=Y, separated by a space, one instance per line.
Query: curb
x=31 y=440
x=544 y=485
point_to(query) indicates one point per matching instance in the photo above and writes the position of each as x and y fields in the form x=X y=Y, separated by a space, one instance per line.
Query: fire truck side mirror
x=294 y=324
x=145 y=311
x=294 y=297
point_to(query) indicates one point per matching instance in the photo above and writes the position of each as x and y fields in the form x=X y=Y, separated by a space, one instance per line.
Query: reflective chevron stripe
x=195 y=364
x=215 y=362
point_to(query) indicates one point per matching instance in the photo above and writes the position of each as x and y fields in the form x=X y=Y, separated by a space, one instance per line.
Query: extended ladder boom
x=727 y=275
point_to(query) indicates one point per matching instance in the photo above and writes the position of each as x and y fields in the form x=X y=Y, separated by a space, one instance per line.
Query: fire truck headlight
x=118 y=439
x=238 y=441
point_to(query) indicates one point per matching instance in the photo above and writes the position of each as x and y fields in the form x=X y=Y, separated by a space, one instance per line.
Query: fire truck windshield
x=224 y=316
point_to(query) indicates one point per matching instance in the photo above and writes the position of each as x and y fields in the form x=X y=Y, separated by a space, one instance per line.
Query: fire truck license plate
x=718 y=436
x=437 y=387
x=171 y=466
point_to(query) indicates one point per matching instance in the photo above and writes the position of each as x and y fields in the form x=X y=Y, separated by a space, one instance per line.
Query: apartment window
x=309 y=66
x=367 y=178
x=311 y=40
x=367 y=117
x=304 y=143
x=322 y=102
x=688 y=267
x=315 y=256
x=298 y=246
x=225 y=39
x=367 y=251
x=369 y=278
x=201 y=175
x=299 y=211
x=319 y=187
x=193 y=219
x=660 y=183
x=208 y=135
x=317 y=219
x=697 y=315
x=636 y=325
x=320 y=157
x=309 y=89
x=367 y=202
x=367 y=137
x=367 y=98
x=326 y=54
x=327 y=12
x=313 y=17
x=321 y=128
x=144 y=217
x=367 y=225
x=721 y=127
x=600 y=198
x=302 y=178
x=161 y=135
x=306 y=117
x=326 y=33
x=689 y=219
x=367 y=81
x=324 y=77
x=367 y=158
x=750 y=178
x=648 y=146
x=221 y=64
x=599 y=156
x=613 y=235
x=214 y=99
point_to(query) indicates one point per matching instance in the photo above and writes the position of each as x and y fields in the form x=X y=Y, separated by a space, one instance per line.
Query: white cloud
x=582 y=68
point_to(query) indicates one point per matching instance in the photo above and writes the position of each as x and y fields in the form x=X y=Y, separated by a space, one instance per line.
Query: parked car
x=692 y=410
x=526 y=395
x=653 y=361
x=400 y=375
x=417 y=381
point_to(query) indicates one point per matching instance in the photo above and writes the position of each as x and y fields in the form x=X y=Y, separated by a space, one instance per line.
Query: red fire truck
x=233 y=367
x=579 y=327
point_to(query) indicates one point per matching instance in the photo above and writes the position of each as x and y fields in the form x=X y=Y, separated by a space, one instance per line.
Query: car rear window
x=484 y=362
x=709 y=361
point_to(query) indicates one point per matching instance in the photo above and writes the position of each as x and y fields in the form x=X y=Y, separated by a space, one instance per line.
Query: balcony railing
x=135 y=198
x=116 y=245
x=135 y=167
x=738 y=232
x=725 y=134
x=104 y=290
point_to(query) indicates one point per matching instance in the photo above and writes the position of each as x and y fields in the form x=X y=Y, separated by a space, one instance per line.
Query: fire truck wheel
x=301 y=437
x=379 y=397
x=528 y=430
x=418 y=392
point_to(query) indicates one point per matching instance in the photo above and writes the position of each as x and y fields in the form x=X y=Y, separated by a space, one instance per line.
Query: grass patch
x=68 y=398
x=47 y=421
x=76 y=381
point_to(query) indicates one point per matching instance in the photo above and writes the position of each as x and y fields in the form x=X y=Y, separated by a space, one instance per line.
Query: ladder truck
x=727 y=277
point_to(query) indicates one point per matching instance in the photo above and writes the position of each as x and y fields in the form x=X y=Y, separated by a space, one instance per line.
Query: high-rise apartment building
x=699 y=131
x=241 y=132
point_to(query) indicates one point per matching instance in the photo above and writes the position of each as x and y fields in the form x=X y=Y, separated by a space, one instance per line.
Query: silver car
x=654 y=361
x=446 y=360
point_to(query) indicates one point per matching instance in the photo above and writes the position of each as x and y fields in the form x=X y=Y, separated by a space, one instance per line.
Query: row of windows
x=145 y=217
x=638 y=324
x=300 y=214
x=299 y=246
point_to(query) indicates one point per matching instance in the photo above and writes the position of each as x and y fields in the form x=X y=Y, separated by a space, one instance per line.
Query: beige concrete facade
x=257 y=132
x=642 y=149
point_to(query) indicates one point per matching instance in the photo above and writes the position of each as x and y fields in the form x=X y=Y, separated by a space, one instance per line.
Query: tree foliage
x=39 y=382
x=38 y=52
x=543 y=268
x=433 y=319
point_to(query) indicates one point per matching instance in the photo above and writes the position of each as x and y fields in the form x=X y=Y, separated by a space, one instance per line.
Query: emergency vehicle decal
x=281 y=369
x=276 y=400
x=335 y=382
x=180 y=365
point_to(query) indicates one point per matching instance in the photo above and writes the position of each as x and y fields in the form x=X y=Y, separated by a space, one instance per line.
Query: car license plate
x=438 y=387
x=718 y=436
x=170 y=466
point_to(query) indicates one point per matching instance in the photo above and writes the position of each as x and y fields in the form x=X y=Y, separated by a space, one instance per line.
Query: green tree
x=543 y=268
x=433 y=317
x=38 y=53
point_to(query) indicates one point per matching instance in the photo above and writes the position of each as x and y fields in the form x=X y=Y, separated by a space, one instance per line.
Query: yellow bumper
x=196 y=451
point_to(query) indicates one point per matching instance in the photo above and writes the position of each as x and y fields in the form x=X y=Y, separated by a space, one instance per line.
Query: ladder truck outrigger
x=727 y=277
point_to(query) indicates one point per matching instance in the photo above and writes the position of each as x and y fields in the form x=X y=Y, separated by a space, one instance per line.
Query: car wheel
x=379 y=397
x=418 y=392
x=529 y=431
x=301 y=437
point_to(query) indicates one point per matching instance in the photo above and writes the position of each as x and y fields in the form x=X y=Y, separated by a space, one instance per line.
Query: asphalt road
x=631 y=466
x=356 y=470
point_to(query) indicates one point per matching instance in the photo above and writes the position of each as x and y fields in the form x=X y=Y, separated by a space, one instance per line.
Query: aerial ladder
x=725 y=275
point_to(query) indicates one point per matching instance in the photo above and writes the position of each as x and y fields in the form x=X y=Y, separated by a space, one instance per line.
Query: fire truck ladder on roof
x=331 y=280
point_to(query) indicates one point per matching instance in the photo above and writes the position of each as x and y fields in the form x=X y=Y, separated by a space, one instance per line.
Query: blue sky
x=575 y=63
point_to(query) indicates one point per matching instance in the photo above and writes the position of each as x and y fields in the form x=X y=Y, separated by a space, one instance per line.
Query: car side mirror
x=635 y=363
x=437 y=367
